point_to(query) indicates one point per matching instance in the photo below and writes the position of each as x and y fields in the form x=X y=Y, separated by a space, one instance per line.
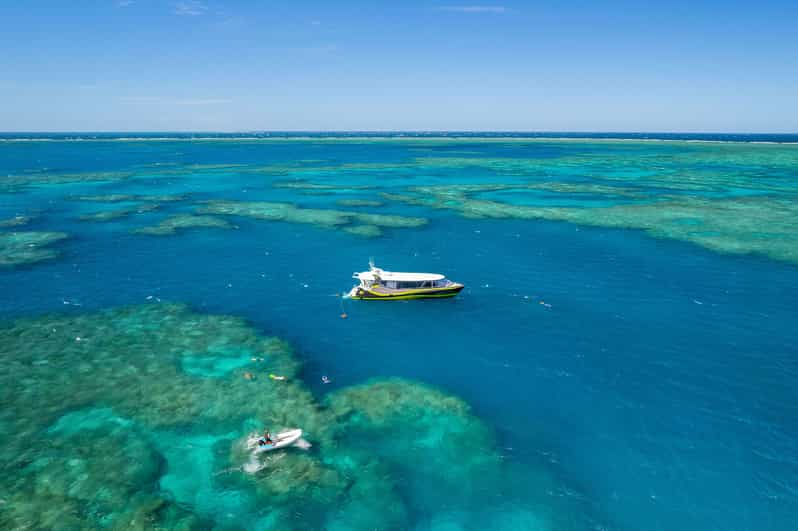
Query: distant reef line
x=723 y=138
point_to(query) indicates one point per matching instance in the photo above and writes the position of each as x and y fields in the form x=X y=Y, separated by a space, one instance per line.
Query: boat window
x=414 y=284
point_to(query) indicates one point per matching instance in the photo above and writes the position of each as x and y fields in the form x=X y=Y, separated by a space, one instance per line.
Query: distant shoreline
x=748 y=138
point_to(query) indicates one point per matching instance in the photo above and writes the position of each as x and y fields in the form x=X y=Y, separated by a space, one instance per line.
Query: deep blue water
x=660 y=385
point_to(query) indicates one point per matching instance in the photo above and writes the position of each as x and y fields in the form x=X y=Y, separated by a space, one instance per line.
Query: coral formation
x=126 y=361
x=359 y=203
x=110 y=215
x=27 y=247
x=101 y=476
x=326 y=218
x=305 y=185
x=116 y=198
x=109 y=422
x=276 y=212
x=456 y=445
x=761 y=224
x=107 y=198
x=366 y=231
x=173 y=224
x=16 y=221
x=18 y=182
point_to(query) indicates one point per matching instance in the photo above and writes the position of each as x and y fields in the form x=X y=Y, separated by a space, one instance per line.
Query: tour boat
x=376 y=284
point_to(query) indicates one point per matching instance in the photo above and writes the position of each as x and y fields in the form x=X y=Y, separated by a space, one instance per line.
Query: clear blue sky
x=148 y=65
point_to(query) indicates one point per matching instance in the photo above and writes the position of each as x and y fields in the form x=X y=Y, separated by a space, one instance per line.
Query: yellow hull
x=428 y=293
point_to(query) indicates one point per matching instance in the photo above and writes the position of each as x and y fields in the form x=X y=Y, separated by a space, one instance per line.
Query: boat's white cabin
x=396 y=280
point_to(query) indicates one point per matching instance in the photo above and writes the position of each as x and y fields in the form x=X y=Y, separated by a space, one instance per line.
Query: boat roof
x=391 y=275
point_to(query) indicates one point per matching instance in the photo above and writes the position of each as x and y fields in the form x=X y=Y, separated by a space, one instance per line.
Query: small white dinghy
x=281 y=440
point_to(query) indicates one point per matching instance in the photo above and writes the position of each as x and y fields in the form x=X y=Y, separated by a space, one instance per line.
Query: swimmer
x=325 y=380
x=278 y=378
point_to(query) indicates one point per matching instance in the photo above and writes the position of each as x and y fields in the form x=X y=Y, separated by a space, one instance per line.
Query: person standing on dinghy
x=266 y=439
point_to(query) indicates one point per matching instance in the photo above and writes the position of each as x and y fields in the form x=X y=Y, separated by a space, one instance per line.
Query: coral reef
x=762 y=224
x=116 y=198
x=325 y=218
x=305 y=185
x=389 y=221
x=27 y=247
x=276 y=212
x=103 y=476
x=110 y=215
x=366 y=231
x=16 y=221
x=60 y=370
x=173 y=224
x=12 y=183
x=359 y=203
x=456 y=445
x=107 y=198
x=109 y=422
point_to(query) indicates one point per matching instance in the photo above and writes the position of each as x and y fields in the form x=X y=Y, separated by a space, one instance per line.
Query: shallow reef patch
x=101 y=477
x=117 y=374
x=28 y=247
x=16 y=221
x=12 y=183
x=306 y=185
x=456 y=446
x=762 y=224
x=106 y=198
x=119 y=213
x=366 y=231
x=325 y=218
x=105 y=427
x=359 y=203
x=173 y=224
x=117 y=198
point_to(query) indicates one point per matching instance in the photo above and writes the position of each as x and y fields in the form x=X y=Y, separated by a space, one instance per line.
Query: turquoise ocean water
x=623 y=356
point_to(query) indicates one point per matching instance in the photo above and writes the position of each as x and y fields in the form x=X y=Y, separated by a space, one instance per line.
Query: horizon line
x=399 y=131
